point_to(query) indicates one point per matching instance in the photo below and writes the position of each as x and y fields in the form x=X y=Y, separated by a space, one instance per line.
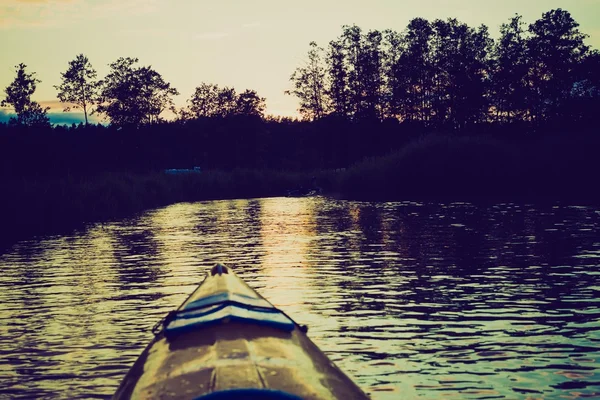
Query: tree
x=250 y=104
x=157 y=94
x=209 y=100
x=460 y=57
x=372 y=66
x=203 y=102
x=18 y=96
x=473 y=86
x=338 y=91
x=79 y=86
x=510 y=72
x=585 y=96
x=134 y=95
x=310 y=84
x=363 y=59
x=392 y=51
x=351 y=40
x=556 y=48
x=227 y=101
x=411 y=73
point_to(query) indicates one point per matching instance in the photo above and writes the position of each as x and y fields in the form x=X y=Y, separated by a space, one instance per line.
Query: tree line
x=440 y=73
x=444 y=73
x=129 y=96
x=367 y=94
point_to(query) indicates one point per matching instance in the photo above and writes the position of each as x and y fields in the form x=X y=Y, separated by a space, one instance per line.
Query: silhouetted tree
x=134 y=96
x=79 y=86
x=351 y=40
x=461 y=67
x=556 y=48
x=510 y=77
x=411 y=74
x=18 y=96
x=310 y=84
x=338 y=90
x=585 y=95
x=227 y=101
x=157 y=93
x=372 y=102
x=210 y=100
x=392 y=89
x=364 y=66
x=203 y=102
x=432 y=76
x=249 y=103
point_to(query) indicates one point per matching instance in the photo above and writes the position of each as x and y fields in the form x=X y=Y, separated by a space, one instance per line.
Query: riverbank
x=442 y=168
x=37 y=206
x=432 y=168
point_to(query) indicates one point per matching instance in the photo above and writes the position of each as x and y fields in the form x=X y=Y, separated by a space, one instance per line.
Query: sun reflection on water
x=412 y=299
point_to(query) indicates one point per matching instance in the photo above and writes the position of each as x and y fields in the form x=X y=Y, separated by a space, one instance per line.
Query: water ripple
x=411 y=299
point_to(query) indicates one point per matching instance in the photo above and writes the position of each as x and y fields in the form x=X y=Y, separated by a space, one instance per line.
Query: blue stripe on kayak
x=187 y=322
x=227 y=296
x=249 y=394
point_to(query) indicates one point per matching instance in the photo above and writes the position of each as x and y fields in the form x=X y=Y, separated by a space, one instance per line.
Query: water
x=412 y=300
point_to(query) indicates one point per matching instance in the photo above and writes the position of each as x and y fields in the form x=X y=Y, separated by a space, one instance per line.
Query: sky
x=245 y=44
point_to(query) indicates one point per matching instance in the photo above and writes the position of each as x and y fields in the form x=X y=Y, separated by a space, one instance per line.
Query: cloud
x=125 y=7
x=50 y=13
x=33 y=13
x=38 y=1
x=55 y=104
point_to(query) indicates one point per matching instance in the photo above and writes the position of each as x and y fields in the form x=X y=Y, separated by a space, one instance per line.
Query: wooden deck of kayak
x=234 y=355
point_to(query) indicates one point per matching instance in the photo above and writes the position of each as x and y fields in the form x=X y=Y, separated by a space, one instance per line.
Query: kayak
x=228 y=342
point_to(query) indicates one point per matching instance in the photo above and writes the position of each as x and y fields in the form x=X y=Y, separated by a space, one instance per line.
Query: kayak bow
x=228 y=342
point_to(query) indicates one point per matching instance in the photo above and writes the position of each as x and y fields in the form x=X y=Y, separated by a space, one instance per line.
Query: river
x=412 y=300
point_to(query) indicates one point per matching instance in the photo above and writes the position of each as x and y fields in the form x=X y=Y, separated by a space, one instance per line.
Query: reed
x=35 y=206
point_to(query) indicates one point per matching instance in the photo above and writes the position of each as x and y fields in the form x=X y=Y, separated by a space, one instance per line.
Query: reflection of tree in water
x=24 y=326
x=135 y=250
x=446 y=254
x=369 y=219
x=40 y=308
x=252 y=222
x=208 y=219
x=230 y=232
x=407 y=283
x=30 y=278
x=250 y=242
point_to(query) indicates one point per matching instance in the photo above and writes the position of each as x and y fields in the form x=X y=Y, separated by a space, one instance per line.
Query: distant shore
x=39 y=206
x=431 y=168
x=480 y=169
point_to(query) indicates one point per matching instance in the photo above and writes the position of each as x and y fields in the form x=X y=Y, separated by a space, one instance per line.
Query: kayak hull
x=240 y=352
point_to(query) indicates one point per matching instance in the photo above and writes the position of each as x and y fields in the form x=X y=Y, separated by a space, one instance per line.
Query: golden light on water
x=408 y=298
x=286 y=234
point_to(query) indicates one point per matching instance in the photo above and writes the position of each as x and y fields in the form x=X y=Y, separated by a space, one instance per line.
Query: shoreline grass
x=61 y=204
x=441 y=168
x=431 y=168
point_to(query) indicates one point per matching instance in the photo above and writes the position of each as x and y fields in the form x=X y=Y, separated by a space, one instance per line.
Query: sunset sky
x=247 y=44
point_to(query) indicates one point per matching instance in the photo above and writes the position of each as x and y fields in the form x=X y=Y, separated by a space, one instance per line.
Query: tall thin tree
x=338 y=90
x=310 y=84
x=510 y=71
x=80 y=86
